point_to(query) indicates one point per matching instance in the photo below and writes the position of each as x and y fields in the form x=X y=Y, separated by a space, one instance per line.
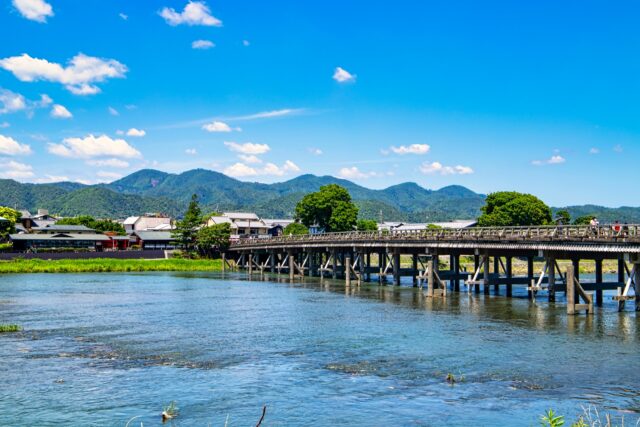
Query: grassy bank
x=100 y=265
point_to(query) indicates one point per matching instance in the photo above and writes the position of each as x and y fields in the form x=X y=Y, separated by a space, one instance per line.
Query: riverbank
x=103 y=265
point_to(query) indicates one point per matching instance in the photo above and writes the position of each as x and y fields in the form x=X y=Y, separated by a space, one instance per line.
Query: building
x=243 y=224
x=147 y=222
x=277 y=226
x=154 y=240
x=41 y=219
x=62 y=239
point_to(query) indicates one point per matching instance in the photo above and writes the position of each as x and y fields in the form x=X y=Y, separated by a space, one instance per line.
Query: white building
x=147 y=223
x=243 y=224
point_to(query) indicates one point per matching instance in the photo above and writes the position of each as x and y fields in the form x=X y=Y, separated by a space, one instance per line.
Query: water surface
x=99 y=349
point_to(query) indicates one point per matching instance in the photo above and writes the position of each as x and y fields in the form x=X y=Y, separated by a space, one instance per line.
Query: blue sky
x=541 y=97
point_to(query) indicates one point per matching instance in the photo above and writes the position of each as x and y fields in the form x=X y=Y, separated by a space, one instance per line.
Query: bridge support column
x=530 y=276
x=367 y=276
x=571 y=292
x=551 y=266
x=396 y=268
x=636 y=279
x=431 y=276
x=334 y=264
x=509 y=272
x=272 y=262
x=456 y=271
x=292 y=266
x=414 y=269
x=485 y=279
x=347 y=270
x=476 y=264
x=250 y=263
x=576 y=274
x=599 y=293
x=496 y=270
x=312 y=263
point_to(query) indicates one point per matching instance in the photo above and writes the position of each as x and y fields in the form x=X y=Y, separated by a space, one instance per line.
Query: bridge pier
x=509 y=273
x=530 y=276
x=599 y=279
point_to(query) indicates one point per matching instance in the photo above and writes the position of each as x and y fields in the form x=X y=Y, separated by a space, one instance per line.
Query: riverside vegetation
x=105 y=265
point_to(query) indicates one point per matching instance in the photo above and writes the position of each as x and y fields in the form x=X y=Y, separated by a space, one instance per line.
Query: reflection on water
x=98 y=349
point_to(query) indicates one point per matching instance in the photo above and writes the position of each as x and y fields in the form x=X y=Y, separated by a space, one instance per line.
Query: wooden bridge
x=358 y=256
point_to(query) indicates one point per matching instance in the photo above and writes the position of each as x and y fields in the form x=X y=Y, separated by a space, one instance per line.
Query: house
x=154 y=240
x=41 y=219
x=147 y=222
x=86 y=240
x=55 y=229
x=277 y=226
x=243 y=224
x=116 y=242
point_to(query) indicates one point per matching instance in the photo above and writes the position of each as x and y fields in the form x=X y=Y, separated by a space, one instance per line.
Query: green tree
x=330 y=208
x=100 y=225
x=583 y=220
x=367 y=225
x=7 y=227
x=509 y=208
x=214 y=239
x=295 y=228
x=187 y=228
x=563 y=217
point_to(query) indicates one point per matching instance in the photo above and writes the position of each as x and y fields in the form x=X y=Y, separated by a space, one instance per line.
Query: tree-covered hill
x=150 y=190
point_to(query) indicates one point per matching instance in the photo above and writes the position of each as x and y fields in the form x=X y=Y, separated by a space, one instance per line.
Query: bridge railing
x=611 y=233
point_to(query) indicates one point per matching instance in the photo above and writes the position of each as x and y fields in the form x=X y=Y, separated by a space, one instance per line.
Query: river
x=100 y=349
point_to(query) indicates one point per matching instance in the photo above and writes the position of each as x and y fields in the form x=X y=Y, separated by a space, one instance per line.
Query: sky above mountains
x=539 y=97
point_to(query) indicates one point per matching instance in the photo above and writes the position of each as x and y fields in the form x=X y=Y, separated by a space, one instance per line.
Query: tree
x=563 y=217
x=7 y=227
x=100 y=225
x=295 y=228
x=330 y=208
x=509 y=208
x=187 y=228
x=367 y=225
x=583 y=220
x=213 y=239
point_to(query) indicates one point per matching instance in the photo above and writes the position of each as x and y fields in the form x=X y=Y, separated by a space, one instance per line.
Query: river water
x=100 y=349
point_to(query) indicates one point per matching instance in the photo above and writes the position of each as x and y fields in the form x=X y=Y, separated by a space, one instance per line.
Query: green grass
x=9 y=328
x=106 y=265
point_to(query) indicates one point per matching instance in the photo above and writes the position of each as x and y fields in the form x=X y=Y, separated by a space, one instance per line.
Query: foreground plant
x=170 y=411
x=9 y=328
x=550 y=419
x=590 y=418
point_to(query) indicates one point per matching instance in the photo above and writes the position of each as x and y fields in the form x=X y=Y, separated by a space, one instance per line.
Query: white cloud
x=15 y=170
x=4 y=125
x=136 y=132
x=270 y=114
x=92 y=146
x=432 y=168
x=113 y=111
x=108 y=175
x=79 y=76
x=245 y=43
x=123 y=16
x=343 y=76
x=110 y=163
x=11 y=147
x=48 y=179
x=60 y=112
x=248 y=147
x=618 y=148
x=194 y=13
x=289 y=166
x=553 y=160
x=11 y=102
x=315 y=151
x=239 y=170
x=354 y=173
x=191 y=151
x=119 y=132
x=217 y=126
x=35 y=10
x=594 y=150
x=202 y=44
x=411 y=149
x=250 y=158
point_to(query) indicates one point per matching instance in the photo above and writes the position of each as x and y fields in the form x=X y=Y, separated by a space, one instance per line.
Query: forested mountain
x=155 y=191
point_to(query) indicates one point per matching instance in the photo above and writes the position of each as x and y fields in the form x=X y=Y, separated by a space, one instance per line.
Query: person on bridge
x=594 y=226
x=617 y=228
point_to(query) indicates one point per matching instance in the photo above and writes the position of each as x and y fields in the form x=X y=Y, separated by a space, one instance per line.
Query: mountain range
x=151 y=190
